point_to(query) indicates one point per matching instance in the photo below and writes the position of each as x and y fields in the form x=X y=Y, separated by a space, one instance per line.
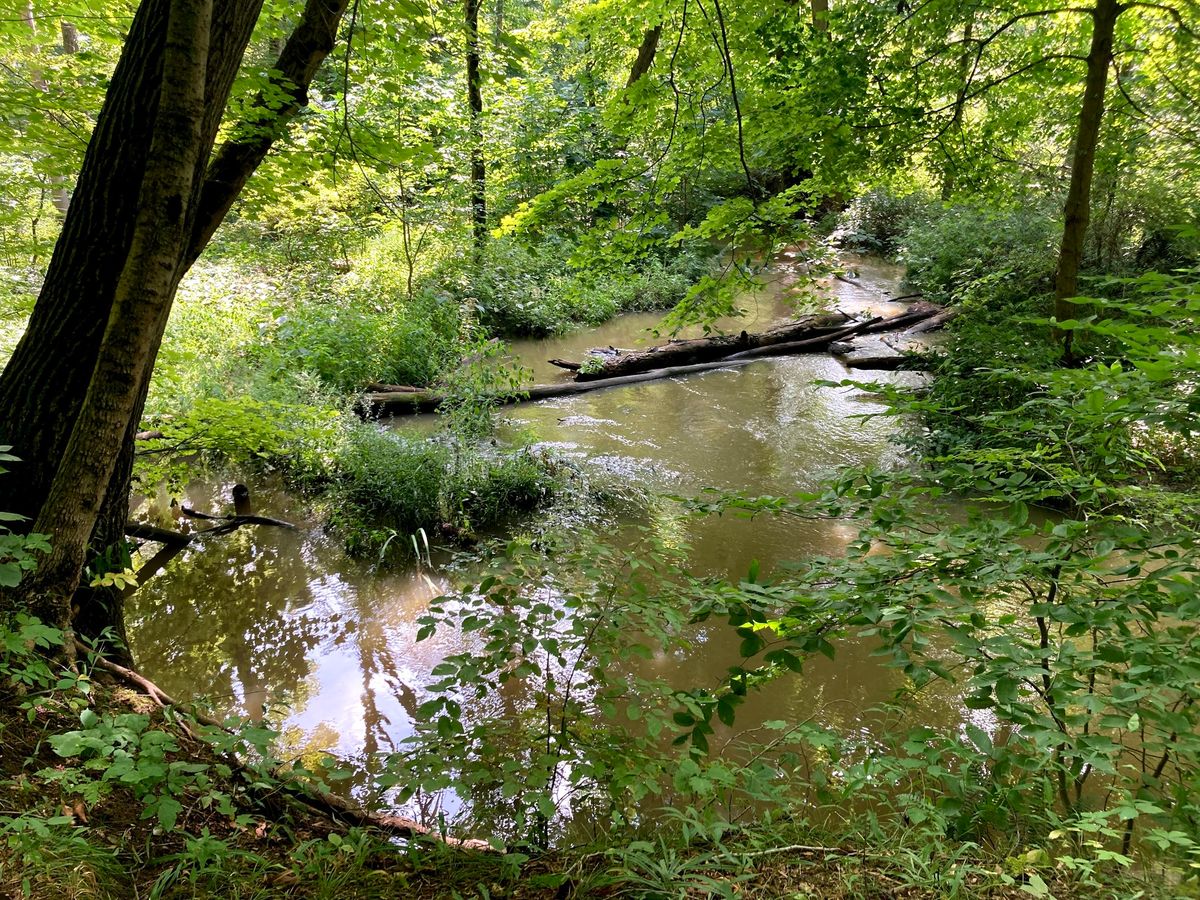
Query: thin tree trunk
x=475 y=114
x=70 y=37
x=820 y=15
x=60 y=194
x=960 y=103
x=140 y=306
x=645 y=56
x=60 y=197
x=1076 y=210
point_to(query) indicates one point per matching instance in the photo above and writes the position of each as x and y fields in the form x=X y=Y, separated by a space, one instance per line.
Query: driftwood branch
x=179 y=538
x=328 y=805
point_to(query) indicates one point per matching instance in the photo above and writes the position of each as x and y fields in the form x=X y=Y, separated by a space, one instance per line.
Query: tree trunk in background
x=475 y=114
x=960 y=103
x=1083 y=163
x=497 y=24
x=820 y=15
x=70 y=37
x=60 y=197
x=43 y=387
x=645 y=56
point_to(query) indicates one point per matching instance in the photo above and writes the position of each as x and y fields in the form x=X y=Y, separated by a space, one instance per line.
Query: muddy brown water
x=285 y=625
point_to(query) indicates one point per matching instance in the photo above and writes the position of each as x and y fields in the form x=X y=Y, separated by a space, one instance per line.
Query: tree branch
x=236 y=159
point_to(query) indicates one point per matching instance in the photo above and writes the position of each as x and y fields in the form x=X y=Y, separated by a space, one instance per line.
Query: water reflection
x=283 y=624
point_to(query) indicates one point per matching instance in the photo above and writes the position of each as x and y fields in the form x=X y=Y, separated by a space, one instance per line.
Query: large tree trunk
x=43 y=387
x=475 y=115
x=1087 y=134
x=141 y=302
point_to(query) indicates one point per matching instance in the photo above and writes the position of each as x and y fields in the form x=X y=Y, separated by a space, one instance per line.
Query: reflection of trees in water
x=217 y=624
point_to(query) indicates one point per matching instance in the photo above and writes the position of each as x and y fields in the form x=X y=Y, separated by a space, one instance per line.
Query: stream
x=284 y=625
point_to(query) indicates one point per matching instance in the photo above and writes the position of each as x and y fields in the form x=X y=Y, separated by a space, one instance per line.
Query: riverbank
x=77 y=829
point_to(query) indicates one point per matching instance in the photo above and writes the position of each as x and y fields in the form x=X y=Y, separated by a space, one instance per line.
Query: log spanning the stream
x=614 y=363
x=813 y=334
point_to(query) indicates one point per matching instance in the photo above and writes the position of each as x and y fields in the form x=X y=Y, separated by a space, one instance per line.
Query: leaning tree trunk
x=475 y=114
x=647 y=50
x=141 y=303
x=43 y=387
x=1083 y=163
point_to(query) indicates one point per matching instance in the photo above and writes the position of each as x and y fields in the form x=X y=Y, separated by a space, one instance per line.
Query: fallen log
x=392 y=388
x=808 y=346
x=934 y=322
x=804 y=335
x=701 y=350
x=409 y=404
x=917 y=312
x=886 y=363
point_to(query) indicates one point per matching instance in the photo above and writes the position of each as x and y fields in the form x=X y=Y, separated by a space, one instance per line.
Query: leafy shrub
x=518 y=289
x=966 y=252
x=1080 y=436
x=291 y=436
x=877 y=221
x=359 y=336
x=17 y=551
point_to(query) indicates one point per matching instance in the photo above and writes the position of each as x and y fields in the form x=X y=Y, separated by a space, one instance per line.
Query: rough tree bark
x=43 y=387
x=475 y=115
x=1076 y=211
x=141 y=302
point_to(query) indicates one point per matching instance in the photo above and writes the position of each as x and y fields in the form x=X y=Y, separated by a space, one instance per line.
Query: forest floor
x=79 y=830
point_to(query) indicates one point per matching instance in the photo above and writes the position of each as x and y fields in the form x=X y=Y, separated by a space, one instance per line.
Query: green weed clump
x=878 y=221
x=388 y=485
x=519 y=289
x=966 y=253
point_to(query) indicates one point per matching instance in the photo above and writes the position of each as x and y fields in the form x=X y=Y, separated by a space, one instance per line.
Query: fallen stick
x=324 y=803
x=236 y=521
